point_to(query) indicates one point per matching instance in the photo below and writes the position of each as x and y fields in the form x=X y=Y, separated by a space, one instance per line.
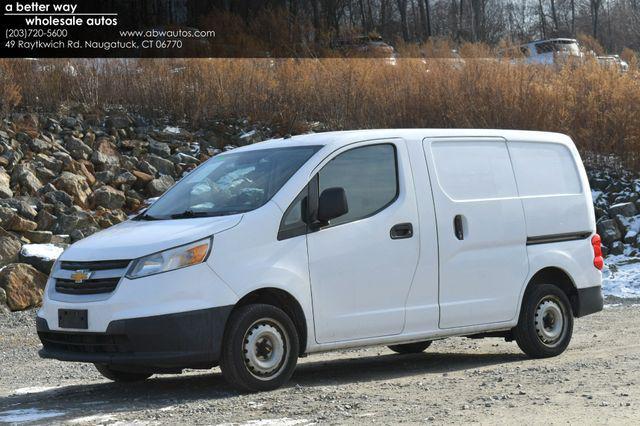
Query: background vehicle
x=336 y=240
x=554 y=51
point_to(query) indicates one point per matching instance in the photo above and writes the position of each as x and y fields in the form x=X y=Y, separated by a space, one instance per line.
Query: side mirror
x=332 y=204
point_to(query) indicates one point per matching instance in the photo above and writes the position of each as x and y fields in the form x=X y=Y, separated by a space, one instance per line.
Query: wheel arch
x=284 y=300
x=557 y=277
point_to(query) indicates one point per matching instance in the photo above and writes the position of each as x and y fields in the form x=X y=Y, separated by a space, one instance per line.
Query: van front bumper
x=190 y=339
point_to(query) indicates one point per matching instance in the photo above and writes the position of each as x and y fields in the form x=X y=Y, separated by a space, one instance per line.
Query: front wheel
x=545 y=325
x=260 y=349
x=121 y=376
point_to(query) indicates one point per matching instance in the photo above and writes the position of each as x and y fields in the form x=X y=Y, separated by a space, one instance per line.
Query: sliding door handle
x=457 y=227
x=401 y=230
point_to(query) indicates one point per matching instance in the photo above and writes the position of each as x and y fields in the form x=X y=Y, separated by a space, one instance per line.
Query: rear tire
x=260 y=348
x=545 y=325
x=411 y=348
x=121 y=376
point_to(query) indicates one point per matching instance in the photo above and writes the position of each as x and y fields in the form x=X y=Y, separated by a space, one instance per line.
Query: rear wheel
x=116 y=375
x=260 y=349
x=545 y=325
x=411 y=348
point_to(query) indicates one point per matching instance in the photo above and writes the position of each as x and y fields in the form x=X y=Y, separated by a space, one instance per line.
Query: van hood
x=133 y=238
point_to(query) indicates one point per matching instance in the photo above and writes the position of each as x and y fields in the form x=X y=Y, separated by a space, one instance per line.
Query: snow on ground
x=28 y=415
x=621 y=276
x=174 y=130
x=42 y=251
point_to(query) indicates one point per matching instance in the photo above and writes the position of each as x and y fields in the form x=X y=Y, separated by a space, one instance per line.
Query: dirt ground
x=455 y=381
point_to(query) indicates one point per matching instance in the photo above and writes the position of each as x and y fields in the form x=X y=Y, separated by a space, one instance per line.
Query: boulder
x=108 y=198
x=77 y=148
x=164 y=166
x=157 y=187
x=9 y=248
x=40 y=256
x=118 y=121
x=11 y=221
x=45 y=220
x=627 y=209
x=617 y=248
x=608 y=231
x=40 y=237
x=78 y=220
x=124 y=178
x=58 y=196
x=23 y=284
x=23 y=207
x=5 y=186
x=3 y=298
x=29 y=181
x=142 y=177
x=74 y=185
x=105 y=153
x=161 y=149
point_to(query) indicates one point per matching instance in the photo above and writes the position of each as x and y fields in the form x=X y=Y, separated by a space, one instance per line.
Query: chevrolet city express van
x=335 y=240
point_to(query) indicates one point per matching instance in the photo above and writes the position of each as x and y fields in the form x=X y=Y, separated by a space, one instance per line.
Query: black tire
x=410 y=348
x=260 y=348
x=545 y=325
x=121 y=376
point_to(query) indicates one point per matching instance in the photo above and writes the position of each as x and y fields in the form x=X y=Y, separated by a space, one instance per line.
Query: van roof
x=340 y=138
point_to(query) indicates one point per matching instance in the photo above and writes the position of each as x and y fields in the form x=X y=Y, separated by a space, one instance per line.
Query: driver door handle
x=401 y=231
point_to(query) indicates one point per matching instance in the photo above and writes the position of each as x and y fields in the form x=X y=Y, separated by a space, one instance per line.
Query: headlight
x=169 y=260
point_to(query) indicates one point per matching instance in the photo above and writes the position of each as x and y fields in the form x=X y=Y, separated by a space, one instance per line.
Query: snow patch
x=95 y=419
x=173 y=130
x=621 y=276
x=247 y=134
x=42 y=251
x=35 y=389
x=28 y=415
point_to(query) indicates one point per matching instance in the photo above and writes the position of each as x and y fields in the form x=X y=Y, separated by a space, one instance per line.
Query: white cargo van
x=335 y=240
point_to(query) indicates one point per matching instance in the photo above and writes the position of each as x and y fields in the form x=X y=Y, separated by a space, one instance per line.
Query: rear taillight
x=598 y=261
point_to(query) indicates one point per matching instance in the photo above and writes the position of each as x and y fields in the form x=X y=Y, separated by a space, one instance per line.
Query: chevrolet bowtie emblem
x=80 y=275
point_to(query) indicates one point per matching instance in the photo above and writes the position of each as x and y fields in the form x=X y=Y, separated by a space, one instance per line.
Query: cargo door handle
x=401 y=230
x=457 y=227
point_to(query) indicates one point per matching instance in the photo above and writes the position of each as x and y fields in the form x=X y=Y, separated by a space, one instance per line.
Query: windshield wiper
x=145 y=216
x=187 y=214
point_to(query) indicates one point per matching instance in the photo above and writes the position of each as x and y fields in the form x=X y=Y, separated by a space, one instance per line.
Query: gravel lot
x=456 y=380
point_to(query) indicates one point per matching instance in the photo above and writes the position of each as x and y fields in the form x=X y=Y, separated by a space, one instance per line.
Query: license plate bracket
x=73 y=318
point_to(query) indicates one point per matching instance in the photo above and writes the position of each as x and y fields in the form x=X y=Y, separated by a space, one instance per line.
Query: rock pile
x=65 y=177
x=616 y=199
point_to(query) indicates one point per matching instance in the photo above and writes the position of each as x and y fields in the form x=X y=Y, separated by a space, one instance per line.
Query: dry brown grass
x=599 y=108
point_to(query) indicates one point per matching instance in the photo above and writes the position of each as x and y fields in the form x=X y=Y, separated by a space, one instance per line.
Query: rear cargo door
x=481 y=230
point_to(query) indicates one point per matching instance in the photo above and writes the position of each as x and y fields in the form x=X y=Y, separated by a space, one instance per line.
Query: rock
x=142 y=177
x=23 y=284
x=21 y=206
x=5 y=187
x=164 y=166
x=45 y=220
x=40 y=237
x=617 y=247
x=147 y=168
x=105 y=154
x=161 y=149
x=79 y=220
x=108 y=198
x=118 y=121
x=29 y=181
x=625 y=209
x=58 y=196
x=60 y=240
x=124 y=178
x=158 y=186
x=77 y=148
x=3 y=297
x=11 y=221
x=181 y=157
x=608 y=231
x=9 y=248
x=74 y=185
x=40 y=256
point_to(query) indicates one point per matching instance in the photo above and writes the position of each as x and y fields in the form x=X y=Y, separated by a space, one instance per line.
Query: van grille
x=101 y=265
x=85 y=342
x=104 y=285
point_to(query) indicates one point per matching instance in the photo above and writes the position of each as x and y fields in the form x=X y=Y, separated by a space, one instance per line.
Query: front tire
x=120 y=376
x=411 y=348
x=545 y=325
x=260 y=348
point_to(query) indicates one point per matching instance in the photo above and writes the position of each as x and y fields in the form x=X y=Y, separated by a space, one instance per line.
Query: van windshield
x=230 y=183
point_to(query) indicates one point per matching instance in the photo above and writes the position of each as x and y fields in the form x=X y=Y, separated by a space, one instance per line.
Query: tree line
x=615 y=24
